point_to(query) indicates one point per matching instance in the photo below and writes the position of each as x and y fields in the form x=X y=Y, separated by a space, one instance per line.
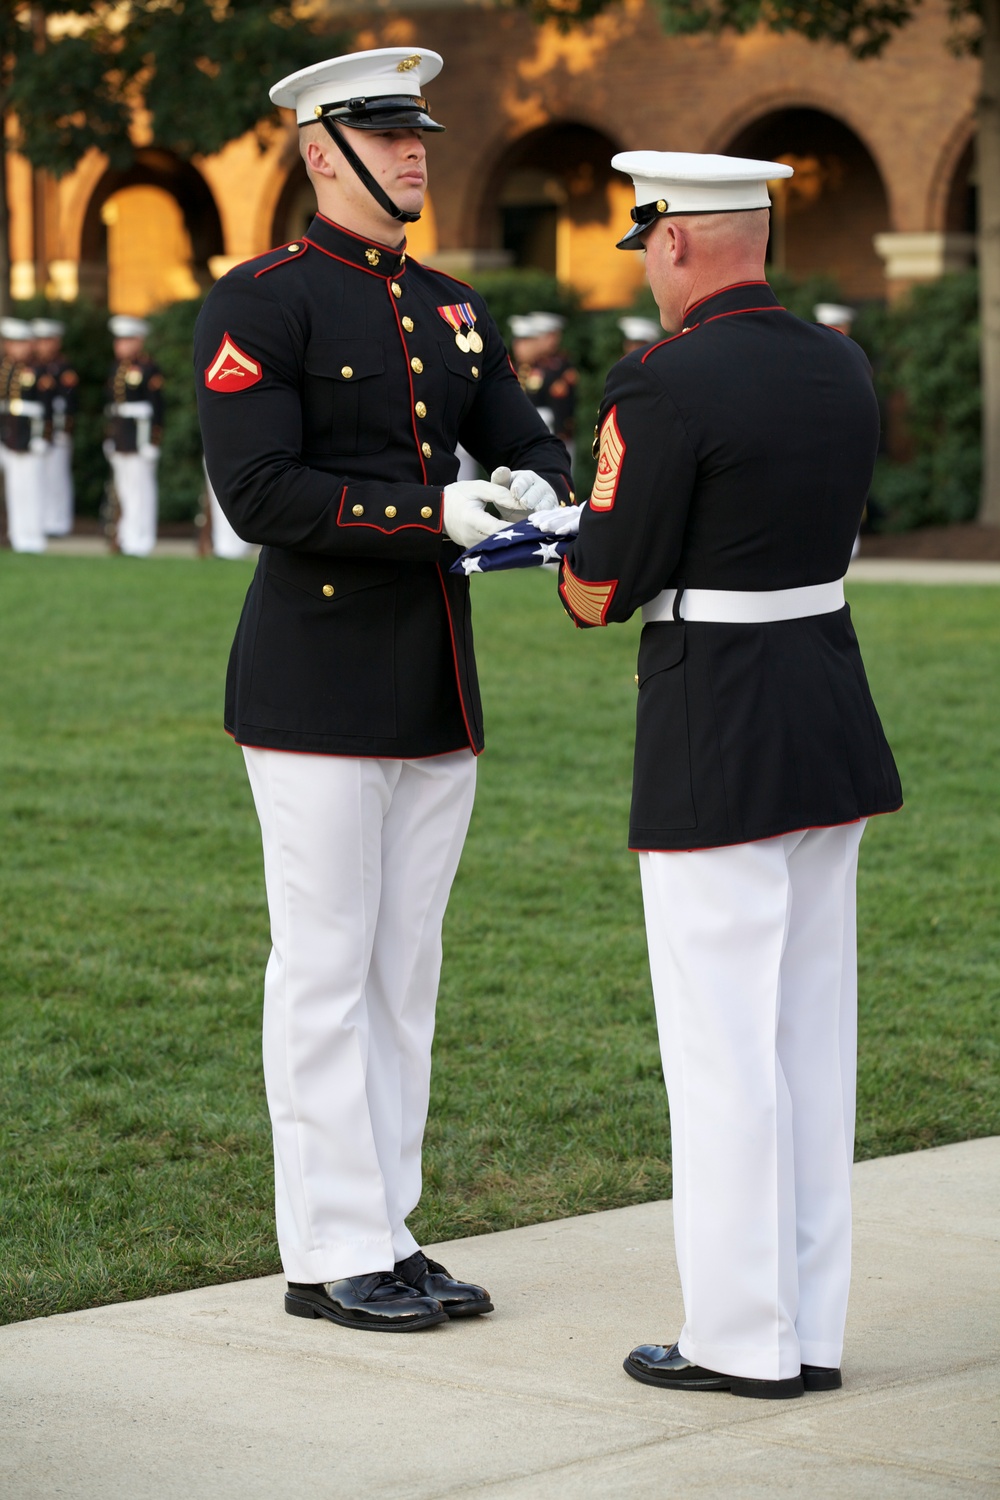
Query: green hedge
x=925 y=351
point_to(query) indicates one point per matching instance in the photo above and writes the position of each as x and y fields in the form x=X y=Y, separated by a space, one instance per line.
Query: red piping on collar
x=377 y=244
x=734 y=286
x=737 y=312
x=385 y=276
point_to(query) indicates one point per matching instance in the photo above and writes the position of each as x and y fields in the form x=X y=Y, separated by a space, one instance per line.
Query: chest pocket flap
x=345 y=400
x=345 y=359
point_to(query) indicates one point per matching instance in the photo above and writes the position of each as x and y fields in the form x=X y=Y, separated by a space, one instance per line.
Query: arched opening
x=148 y=235
x=824 y=218
x=962 y=208
x=297 y=204
x=554 y=204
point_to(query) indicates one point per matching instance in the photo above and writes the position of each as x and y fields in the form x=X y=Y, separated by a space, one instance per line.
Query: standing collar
x=344 y=245
x=744 y=296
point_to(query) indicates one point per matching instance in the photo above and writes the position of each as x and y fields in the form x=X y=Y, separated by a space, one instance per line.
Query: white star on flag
x=548 y=552
x=510 y=535
x=472 y=565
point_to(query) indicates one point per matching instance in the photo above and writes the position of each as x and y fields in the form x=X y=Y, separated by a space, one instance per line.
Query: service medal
x=475 y=342
x=463 y=343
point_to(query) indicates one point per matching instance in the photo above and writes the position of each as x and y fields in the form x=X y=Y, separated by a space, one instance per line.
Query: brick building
x=884 y=191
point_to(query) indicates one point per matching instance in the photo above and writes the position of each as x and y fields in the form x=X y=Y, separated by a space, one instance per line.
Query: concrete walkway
x=218 y=1395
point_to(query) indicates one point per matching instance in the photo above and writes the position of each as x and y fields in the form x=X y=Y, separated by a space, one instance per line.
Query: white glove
x=527 y=491
x=149 y=450
x=465 y=518
x=108 y=449
x=38 y=445
x=563 y=521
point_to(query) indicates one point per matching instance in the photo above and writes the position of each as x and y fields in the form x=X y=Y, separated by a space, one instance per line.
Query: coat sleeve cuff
x=391 y=508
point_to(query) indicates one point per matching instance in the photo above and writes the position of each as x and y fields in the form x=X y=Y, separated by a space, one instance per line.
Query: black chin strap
x=354 y=160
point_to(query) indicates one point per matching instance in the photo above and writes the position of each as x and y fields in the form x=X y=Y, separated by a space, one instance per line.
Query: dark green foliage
x=134 y=1143
x=925 y=352
x=801 y=297
x=182 y=479
x=203 y=70
x=862 y=26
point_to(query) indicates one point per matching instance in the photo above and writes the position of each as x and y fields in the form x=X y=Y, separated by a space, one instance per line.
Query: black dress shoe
x=460 y=1299
x=379 y=1302
x=665 y=1365
x=821 y=1378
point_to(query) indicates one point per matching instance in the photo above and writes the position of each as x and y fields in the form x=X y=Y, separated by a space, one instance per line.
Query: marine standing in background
x=335 y=378
x=545 y=371
x=59 y=384
x=735 y=457
x=24 y=441
x=134 y=414
x=638 y=332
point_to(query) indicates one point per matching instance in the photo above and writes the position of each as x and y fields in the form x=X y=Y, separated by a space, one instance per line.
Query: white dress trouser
x=225 y=541
x=359 y=857
x=57 y=502
x=22 y=474
x=135 y=485
x=752 y=950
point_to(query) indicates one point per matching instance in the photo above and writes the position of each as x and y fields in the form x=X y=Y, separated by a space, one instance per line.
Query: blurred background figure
x=545 y=370
x=135 y=430
x=218 y=539
x=59 y=384
x=24 y=443
x=639 y=333
x=834 y=315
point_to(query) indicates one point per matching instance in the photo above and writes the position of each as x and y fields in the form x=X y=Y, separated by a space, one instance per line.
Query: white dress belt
x=743 y=607
x=135 y=409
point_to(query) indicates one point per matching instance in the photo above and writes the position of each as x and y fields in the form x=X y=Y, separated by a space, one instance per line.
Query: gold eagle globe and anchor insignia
x=373 y=256
x=408 y=63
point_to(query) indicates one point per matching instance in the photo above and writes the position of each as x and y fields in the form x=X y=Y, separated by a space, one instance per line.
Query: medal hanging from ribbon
x=461 y=318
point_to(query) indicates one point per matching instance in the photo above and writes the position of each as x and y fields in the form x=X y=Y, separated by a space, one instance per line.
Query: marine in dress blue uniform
x=735 y=456
x=25 y=432
x=60 y=387
x=336 y=377
x=134 y=417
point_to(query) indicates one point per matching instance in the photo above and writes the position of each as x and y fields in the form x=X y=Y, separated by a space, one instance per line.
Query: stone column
x=914 y=257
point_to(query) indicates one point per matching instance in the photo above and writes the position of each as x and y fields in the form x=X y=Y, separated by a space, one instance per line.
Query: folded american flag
x=519 y=545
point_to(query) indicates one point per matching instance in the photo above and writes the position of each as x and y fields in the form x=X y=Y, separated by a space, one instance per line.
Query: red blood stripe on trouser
x=752 y=952
x=359 y=857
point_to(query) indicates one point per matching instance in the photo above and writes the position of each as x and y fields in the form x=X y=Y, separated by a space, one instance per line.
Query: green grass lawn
x=136 y=1151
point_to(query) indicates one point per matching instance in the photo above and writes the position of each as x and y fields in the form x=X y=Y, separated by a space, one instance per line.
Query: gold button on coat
x=425 y=449
x=346 y=371
x=475 y=372
x=390 y=511
x=357 y=510
x=426 y=512
x=397 y=290
x=420 y=409
x=328 y=590
x=292 y=248
x=417 y=365
x=408 y=324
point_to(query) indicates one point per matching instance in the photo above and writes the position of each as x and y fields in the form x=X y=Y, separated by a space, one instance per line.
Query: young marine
x=336 y=377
